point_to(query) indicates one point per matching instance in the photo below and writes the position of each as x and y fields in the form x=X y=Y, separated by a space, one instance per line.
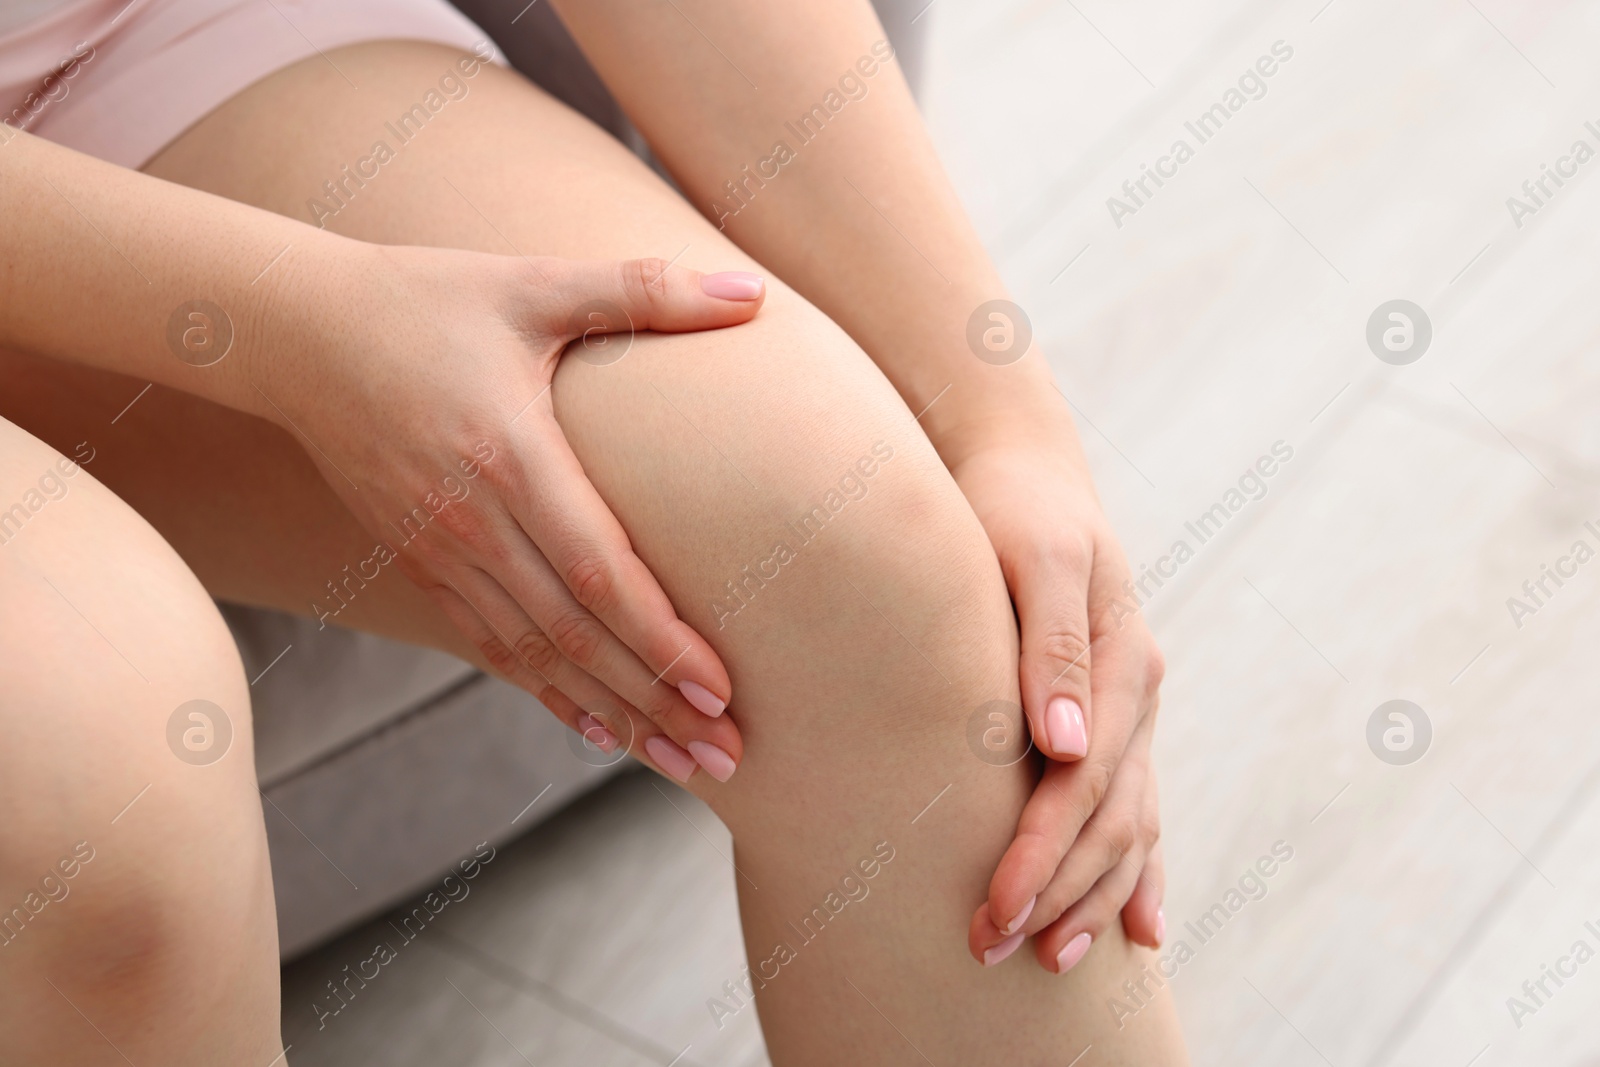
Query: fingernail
x=732 y=285
x=1002 y=950
x=717 y=763
x=1161 y=926
x=703 y=699
x=670 y=758
x=595 y=733
x=1022 y=916
x=1063 y=722
x=1074 y=951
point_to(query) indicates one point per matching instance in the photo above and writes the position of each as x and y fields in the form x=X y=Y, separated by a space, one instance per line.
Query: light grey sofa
x=380 y=763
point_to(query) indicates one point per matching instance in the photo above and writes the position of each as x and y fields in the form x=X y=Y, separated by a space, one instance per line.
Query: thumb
x=621 y=296
x=1052 y=612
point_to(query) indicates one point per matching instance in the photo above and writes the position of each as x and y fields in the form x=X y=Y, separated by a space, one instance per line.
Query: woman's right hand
x=428 y=410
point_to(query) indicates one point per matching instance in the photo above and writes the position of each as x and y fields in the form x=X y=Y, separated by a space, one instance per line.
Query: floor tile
x=426 y=1006
x=625 y=905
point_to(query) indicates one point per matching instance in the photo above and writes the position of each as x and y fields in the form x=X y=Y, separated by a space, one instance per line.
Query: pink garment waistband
x=120 y=80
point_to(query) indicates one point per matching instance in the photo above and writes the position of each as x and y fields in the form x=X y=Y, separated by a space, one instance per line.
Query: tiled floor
x=554 y=950
x=1227 y=314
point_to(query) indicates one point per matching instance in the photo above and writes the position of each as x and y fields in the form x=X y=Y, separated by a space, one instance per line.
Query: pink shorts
x=121 y=80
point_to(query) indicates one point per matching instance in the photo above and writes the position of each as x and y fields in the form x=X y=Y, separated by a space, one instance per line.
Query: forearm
x=860 y=218
x=105 y=266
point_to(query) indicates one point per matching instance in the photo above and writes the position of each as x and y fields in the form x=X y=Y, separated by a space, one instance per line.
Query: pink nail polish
x=1063 y=722
x=704 y=700
x=1161 y=926
x=717 y=763
x=670 y=758
x=732 y=285
x=595 y=733
x=1073 y=952
x=1002 y=950
x=1022 y=916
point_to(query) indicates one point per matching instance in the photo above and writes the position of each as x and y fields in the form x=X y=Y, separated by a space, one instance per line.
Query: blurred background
x=1344 y=273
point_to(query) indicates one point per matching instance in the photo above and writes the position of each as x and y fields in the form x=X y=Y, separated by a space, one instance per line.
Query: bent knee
x=113 y=608
x=109 y=651
x=791 y=506
x=143 y=944
x=906 y=596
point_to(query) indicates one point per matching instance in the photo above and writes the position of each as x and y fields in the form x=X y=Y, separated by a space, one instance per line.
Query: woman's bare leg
x=860 y=651
x=136 y=914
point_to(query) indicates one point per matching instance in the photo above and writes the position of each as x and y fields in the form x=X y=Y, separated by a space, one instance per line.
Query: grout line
x=1138 y=123
x=572 y=1008
x=1476 y=930
x=1289 y=1023
x=416 y=709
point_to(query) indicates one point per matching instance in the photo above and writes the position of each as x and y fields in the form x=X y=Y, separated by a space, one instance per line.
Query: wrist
x=300 y=318
x=1015 y=407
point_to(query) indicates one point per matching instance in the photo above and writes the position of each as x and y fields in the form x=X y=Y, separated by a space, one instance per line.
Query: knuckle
x=468 y=526
x=505 y=482
x=1097 y=780
x=659 y=711
x=1095 y=919
x=1149 y=827
x=538 y=274
x=1067 y=646
x=1053 y=902
x=578 y=637
x=1069 y=556
x=501 y=659
x=537 y=651
x=1155 y=669
x=1038 y=841
x=1122 y=835
x=593 y=583
x=645 y=279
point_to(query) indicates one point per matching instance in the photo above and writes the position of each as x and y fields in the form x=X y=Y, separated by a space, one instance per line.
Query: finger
x=651 y=294
x=601 y=720
x=498 y=653
x=1053 y=824
x=1045 y=831
x=1052 y=595
x=985 y=941
x=1143 y=919
x=1061 y=945
x=509 y=662
x=561 y=641
x=594 y=731
x=1061 y=849
x=1118 y=830
x=601 y=723
x=565 y=517
x=608 y=725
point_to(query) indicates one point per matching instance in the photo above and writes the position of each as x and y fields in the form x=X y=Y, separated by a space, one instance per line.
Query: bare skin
x=834 y=706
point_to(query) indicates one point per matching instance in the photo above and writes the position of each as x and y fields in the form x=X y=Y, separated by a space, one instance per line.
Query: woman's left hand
x=1085 y=848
